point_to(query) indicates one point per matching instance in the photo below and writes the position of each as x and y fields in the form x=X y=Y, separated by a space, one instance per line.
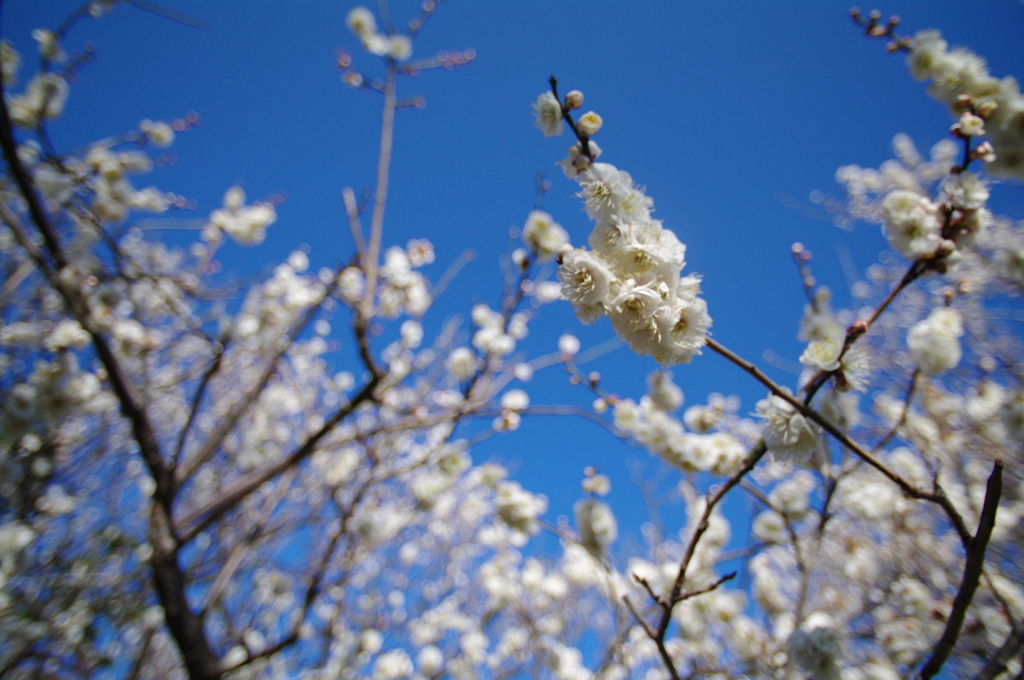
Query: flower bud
x=970 y=125
x=574 y=100
x=987 y=108
x=984 y=152
x=589 y=124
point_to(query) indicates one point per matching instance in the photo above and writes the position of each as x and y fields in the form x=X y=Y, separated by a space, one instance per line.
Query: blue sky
x=729 y=112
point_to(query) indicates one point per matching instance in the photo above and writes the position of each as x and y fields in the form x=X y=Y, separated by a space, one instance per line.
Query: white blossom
x=547 y=114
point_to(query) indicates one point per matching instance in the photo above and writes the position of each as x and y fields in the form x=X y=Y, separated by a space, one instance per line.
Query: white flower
x=420 y=251
x=159 y=134
x=789 y=434
x=568 y=344
x=575 y=162
x=822 y=354
x=11 y=62
x=247 y=224
x=586 y=278
x=461 y=363
x=684 y=326
x=351 y=284
x=515 y=400
x=519 y=508
x=596 y=525
x=548 y=115
x=599 y=485
x=544 y=235
x=966 y=190
x=400 y=47
x=935 y=342
x=392 y=665
x=67 y=333
x=770 y=527
x=911 y=223
x=44 y=98
x=664 y=393
x=589 y=123
x=361 y=22
x=971 y=125
x=609 y=195
x=430 y=660
x=815 y=646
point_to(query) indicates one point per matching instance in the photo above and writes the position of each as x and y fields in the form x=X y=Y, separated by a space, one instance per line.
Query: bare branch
x=372 y=252
x=708 y=588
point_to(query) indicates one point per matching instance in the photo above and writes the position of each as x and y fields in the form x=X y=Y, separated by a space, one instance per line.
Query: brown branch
x=198 y=396
x=973 y=567
x=143 y=653
x=369 y=261
x=636 y=614
x=706 y=589
x=903 y=416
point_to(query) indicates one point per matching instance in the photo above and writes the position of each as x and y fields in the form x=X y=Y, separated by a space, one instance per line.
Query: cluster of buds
x=875 y=29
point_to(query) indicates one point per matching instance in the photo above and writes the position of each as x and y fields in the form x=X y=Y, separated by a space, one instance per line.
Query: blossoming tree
x=189 y=489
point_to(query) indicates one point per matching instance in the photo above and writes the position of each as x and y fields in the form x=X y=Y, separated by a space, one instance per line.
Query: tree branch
x=973 y=567
x=202 y=517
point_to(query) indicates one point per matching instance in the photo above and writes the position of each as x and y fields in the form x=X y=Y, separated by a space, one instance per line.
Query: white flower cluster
x=103 y=174
x=596 y=524
x=816 y=648
x=363 y=24
x=519 y=508
x=632 y=273
x=935 y=342
x=959 y=73
x=914 y=224
x=247 y=224
x=43 y=99
x=544 y=236
x=652 y=424
x=400 y=288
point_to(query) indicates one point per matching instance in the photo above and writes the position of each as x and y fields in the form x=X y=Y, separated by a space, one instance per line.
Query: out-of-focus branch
x=313 y=588
x=198 y=396
x=903 y=415
x=372 y=252
x=998 y=663
x=352 y=210
x=973 y=567
x=708 y=588
x=238 y=409
x=200 y=518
